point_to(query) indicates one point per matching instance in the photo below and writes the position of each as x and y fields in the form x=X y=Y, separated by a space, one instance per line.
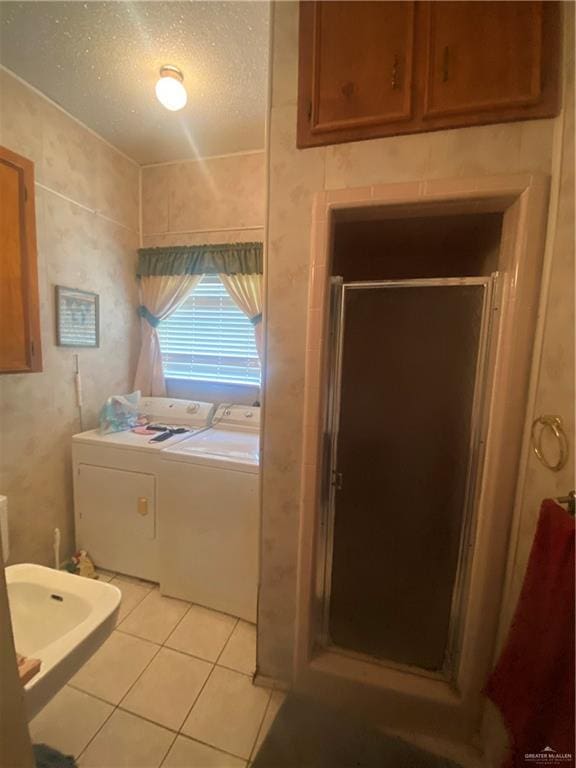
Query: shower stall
x=402 y=455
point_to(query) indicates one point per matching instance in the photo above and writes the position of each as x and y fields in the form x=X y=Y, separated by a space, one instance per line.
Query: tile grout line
x=175 y=627
x=251 y=681
x=210 y=746
x=93 y=695
x=117 y=706
x=238 y=672
x=134 y=607
x=188 y=713
x=227 y=641
x=114 y=706
x=188 y=655
x=214 y=664
x=140 y=637
x=165 y=755
x=208 y=676
x=159 y=647
x=147 y=719
x=260 y=727
x=83 y=750
x=176 y=733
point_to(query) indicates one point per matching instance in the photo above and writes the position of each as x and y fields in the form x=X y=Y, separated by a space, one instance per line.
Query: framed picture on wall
x=77 y=318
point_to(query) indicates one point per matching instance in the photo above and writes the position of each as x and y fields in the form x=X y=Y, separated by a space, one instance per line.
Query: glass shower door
x=407 y=383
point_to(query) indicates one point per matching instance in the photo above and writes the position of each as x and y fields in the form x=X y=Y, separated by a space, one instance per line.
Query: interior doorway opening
x=412 y=314
x=476 y=236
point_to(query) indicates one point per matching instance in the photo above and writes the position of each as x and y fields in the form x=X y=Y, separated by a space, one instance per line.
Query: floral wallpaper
x=553 y=372
x=218 y=197
x=87 y=219
x=294 y=177
x=215 y=200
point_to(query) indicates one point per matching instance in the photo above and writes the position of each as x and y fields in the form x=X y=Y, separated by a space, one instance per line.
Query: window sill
x=212 y=391
x=180 y=380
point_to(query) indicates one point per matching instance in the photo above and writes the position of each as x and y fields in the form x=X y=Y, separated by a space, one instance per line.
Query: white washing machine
x=116 y=487
x=209 y=531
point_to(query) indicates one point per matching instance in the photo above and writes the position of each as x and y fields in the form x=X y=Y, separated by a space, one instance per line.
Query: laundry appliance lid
x=231 y=449
x=126 y=440
x=170 y=411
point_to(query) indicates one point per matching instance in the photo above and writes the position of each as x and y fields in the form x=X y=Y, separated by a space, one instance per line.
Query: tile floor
x=170 y=687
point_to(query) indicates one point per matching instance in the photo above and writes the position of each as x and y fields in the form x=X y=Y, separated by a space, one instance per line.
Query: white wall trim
x=84 y=207
x=202 y=158
x=140 y=211
x=203 y=231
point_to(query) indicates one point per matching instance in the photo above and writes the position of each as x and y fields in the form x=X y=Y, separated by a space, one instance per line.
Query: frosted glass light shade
x=169 y=90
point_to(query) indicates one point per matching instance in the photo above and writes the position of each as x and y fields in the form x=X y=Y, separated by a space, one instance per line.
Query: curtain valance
x=227 y=259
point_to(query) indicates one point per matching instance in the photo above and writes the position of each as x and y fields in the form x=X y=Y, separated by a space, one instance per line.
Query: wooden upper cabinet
x=483 y=56
x=370 y=69
x=361 y=63
x=20 y=346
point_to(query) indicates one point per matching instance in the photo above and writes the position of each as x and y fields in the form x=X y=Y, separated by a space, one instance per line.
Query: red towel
x=533 y=682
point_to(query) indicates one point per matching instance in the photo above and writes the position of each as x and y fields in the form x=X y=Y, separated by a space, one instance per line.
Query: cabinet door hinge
x=309 y=113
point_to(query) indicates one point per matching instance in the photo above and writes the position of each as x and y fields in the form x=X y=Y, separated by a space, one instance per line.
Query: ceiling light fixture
x=169 y=89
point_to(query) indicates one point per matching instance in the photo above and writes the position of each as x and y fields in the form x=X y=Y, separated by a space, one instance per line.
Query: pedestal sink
x=60 y=619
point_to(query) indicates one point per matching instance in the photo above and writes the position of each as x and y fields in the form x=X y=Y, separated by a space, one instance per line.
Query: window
x=209 y=338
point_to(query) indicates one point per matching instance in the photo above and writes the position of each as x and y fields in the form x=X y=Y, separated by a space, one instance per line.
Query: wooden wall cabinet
x=20 y=344
x=372 y=69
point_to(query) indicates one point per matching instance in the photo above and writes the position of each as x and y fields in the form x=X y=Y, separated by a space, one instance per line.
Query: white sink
x=60 y=619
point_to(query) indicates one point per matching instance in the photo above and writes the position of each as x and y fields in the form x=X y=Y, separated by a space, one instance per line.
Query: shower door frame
x=478 y=424
x=392 y=698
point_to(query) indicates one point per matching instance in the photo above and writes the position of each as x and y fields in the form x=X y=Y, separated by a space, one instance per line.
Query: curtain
x=225 y=258
x=160 y=296
x=246 y=291
x=167 y=277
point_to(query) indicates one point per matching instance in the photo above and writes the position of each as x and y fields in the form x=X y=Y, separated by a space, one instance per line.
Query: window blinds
x=209 y=338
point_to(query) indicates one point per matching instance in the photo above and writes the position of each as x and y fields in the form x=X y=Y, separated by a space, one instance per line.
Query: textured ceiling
x=100 y=62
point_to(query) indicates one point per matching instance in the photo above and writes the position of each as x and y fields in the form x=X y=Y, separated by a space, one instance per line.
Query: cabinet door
x=20 y=350
x=356 y=65
x=483 y=56
x=116 y=519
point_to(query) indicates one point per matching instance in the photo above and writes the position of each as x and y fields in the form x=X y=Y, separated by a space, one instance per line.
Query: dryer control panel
x=172 y=410
x=236 y=415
